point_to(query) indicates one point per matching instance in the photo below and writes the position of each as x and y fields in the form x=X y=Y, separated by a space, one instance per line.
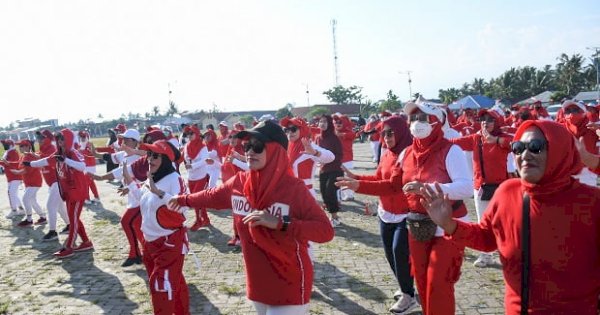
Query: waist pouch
x=487 y=191
x=421 y=227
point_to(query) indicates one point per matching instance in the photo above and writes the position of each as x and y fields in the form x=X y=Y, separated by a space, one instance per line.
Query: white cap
x=426 y=107
x=573 y=103
x=223 y=123
x=131 y=134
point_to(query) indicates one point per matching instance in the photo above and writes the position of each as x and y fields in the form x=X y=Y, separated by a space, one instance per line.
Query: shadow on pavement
x=199 y=303
x=91 y=284
x=331 y=283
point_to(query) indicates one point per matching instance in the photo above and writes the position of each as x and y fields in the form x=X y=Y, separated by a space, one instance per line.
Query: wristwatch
x=286 y=222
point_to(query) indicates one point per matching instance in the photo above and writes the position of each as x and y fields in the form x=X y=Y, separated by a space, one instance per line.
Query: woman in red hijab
x=490 y=148
x=562 y=226
x=275 y=216
x=392 y=211
x=576 y=122
x=195 y=157
x=430 y=159
x=343 y=129
x=330 y=171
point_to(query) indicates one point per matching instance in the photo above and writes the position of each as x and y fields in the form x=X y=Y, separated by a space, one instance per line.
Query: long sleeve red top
x=565 y=247
x=278 y=268
x=494 y=158
x=395 y=203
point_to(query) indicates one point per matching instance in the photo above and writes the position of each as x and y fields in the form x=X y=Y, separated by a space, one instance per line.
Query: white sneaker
x=95 y=201
x=483 y=260
x=397 y=294
x=335 y=222
x=87 y=202
x=404 y=304
x=11 y=214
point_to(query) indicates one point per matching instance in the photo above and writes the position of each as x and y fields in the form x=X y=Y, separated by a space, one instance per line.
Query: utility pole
x=408 y=72
x=307 y=96
x=335 y=56
x=596 y=61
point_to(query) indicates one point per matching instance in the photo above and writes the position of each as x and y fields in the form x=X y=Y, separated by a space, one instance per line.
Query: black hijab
x=166 y=166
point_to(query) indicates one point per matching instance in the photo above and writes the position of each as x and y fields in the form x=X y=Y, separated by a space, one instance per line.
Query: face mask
x=420 y=129
x=514 y=112
x=83 y=143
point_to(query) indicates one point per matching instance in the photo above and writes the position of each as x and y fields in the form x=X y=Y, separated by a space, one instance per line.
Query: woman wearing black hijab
x=330 y=171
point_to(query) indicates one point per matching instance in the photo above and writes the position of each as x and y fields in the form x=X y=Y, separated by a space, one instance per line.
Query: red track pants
x=132 y=226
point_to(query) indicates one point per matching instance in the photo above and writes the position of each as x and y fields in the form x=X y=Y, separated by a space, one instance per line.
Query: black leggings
x=329 y=190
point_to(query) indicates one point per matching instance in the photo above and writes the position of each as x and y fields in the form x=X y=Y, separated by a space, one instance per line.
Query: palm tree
x=568 y=73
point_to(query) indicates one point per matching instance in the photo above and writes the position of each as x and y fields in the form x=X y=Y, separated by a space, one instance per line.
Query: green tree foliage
x=284 y=111
x=392 y=103
x=172 y=109
x=316 y=111
x=570 y=75
x=342 y=95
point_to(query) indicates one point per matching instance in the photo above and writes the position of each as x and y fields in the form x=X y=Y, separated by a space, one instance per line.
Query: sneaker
x=87 y=202
x=335 y=222
x=41 y=221
x=11 y=214
x=64 y=253
x=84 y=246
x=397 y=294
x=404 y=304
x=50 y=236
x=234 y=241
x=132 y=260
x=65 y=230
x=96 y=201
x=25 y=223
x=483 y=260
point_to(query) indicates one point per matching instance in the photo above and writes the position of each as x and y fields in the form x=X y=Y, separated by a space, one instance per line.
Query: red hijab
x=213 y=143
x=260 y=184
x=576 y=123
x=423 y=148
x=498 y=121
x=295 y=148
x=193 y=147
x=563 y=160
x=401 y=133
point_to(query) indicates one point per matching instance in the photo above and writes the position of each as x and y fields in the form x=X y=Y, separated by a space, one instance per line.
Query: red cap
x=160 y=146
x=24 y=142
x=8 y=141
x=121 y=128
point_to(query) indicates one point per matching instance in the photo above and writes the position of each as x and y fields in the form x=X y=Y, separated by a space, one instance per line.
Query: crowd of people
x=532 y=178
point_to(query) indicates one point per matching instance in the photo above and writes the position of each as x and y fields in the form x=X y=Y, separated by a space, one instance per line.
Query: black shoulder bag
x=488 y=189
x=525 y=255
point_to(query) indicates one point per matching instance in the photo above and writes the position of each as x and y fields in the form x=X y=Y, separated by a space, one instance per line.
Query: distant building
x=587 y=96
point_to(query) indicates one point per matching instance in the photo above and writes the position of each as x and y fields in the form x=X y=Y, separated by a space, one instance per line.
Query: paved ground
x=351 y=277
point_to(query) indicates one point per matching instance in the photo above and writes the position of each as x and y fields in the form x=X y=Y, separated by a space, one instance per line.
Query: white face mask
x=420 y=129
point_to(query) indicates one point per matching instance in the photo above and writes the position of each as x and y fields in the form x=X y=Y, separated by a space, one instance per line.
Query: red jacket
x=32 y=177
x=494 y=158
x=278 y=268
x=48 y=172
x=565 y=247
x=347 y=140
x=73 y=184
x=13 y=160
x=89 y=158
x=394 y=203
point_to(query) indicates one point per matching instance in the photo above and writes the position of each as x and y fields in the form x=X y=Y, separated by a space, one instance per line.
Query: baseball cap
x=160 y=146
x=131 y=134
x=265 y=131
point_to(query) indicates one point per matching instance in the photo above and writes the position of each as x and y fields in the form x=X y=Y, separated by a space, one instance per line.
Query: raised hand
x=173 y=205
x=438 y=207
x=308 y=149
x=347 y=182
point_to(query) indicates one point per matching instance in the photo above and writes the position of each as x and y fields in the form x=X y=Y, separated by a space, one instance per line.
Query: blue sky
x=74 y=59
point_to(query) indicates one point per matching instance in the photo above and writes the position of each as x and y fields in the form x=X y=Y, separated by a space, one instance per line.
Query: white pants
x=13 y=194
x=55 y=204
x=265 y=309
x=375 y=149
x=345 y=193
x=30 y=202
x=214 y=172
x=480 y=205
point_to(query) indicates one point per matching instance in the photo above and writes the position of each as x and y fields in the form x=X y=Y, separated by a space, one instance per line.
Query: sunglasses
x=387 y=133
x=291 y=129
x=487 y=119
x=534 y=146
x=256 y=146
x=419 y=117
x=153 y=155
x=572 y=110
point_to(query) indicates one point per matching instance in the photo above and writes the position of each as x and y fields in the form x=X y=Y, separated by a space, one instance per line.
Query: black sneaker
x=50 y=236
x=132 y=260
x=65 y=230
